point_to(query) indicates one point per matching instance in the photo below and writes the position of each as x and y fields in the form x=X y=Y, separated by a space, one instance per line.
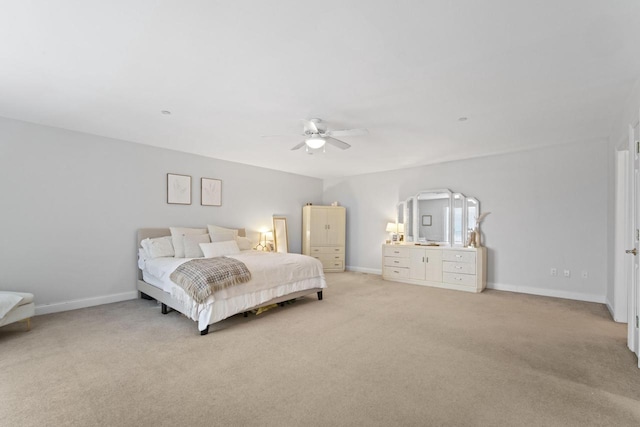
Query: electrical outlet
x=585 y=274
x=567 y=273
x=554 y=271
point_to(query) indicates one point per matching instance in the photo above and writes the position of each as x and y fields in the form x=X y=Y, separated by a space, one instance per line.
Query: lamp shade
x=391 y=227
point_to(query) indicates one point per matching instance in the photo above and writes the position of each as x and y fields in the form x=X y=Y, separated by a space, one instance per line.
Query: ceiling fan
x=317 y=136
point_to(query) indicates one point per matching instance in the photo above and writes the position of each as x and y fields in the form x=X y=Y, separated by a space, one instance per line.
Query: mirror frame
x=409 y=229
x=417 y=216
x=403 y=206
x=280 y=234
x=412 y=204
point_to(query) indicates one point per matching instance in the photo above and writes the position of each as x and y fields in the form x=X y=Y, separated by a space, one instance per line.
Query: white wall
x=549 y=209
x=71 y=204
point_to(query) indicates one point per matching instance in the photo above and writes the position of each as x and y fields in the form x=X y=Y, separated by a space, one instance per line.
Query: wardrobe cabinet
x=323 y=235
x=447 y=267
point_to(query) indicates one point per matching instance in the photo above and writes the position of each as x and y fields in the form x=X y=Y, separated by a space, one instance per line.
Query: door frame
x=633 y=278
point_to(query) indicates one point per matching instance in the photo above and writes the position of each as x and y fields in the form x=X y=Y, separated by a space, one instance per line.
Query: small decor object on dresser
x=211 y=192
x=474 y=236
x=178 y=189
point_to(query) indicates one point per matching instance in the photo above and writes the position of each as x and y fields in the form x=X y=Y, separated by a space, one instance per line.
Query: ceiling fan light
x=315 y=142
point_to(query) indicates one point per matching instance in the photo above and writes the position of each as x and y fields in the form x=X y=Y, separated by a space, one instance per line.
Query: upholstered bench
x=16 y=309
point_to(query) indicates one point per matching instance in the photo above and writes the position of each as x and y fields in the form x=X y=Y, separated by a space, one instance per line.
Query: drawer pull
x=337 y=257
x=337 y=249
x=396 y=271
x=397 y=262
x=458 y=256
x=396 y=252
x=458 y=267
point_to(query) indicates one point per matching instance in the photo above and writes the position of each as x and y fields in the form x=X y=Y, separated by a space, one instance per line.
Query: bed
x=275 y=278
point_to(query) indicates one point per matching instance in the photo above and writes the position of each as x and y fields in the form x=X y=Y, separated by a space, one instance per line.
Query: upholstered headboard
x=151 y=233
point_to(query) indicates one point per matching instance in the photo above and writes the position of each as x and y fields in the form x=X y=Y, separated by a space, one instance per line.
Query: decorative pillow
x=159 y=247
x=242 y=232
x=222 y=236
x=192 y=245
x=215 y=249
x=244 y=243
x=177 y=234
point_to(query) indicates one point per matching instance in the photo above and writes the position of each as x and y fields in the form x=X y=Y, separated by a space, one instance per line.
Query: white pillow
x=221 y=234
x=215 y=249
x=177 y=234
x=159 y=247
x=192 y=245
x=244 y=243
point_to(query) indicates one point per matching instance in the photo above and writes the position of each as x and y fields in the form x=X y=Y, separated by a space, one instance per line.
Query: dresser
x=323 y=235
x=458 y=268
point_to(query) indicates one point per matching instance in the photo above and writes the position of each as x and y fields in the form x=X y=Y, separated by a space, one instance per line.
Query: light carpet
x=371 y=353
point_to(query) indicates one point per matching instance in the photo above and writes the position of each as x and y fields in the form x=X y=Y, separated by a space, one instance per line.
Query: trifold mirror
x=438 y=217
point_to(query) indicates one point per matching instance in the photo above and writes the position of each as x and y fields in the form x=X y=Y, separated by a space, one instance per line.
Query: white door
x=433 y=267
x=634 y=295
x=318 y=225
x=335 y=226
x=417 y=264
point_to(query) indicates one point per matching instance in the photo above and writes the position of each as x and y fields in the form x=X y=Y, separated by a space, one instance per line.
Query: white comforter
x=272 y=275
x=8 y=301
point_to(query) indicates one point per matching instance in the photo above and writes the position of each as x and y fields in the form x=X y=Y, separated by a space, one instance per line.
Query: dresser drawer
x=332 y=265
x=391 y=272
x=459 y=256
x=459 y=267
x=459 y=279
x=327 y=250
x=396 y=251
x=329 y=257
x=392 y=261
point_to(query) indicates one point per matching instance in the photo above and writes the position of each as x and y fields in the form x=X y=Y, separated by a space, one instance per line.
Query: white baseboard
x=610 y=308
x=364 y=270
x=547 y=292
x=83 y=303
x=613 y=313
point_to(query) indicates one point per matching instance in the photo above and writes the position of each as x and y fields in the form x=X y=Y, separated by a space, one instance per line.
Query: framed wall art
x=178 y=189
x=211 y=192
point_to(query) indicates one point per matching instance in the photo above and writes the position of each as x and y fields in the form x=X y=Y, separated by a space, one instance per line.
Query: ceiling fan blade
x=310 y=126
x=337 y=143
x=348 y=132
x=297 y=147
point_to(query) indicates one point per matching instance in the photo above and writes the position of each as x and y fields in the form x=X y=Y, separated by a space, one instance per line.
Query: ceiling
x=526 y=74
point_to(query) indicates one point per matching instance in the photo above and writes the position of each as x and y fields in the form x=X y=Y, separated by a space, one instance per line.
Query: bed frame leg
x=164 y=308
x=320 y=295
x=145 y=296
x=245 y=314
x=205 y=331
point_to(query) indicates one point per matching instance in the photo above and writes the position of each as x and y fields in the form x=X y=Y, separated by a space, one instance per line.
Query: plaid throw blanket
x=202 y=277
